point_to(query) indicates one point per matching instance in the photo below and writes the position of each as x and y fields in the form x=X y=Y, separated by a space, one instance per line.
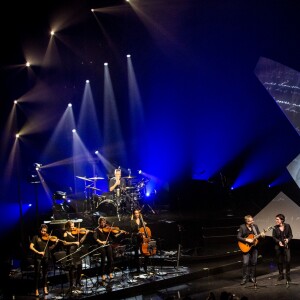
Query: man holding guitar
x=282 y=235
x=247 y=236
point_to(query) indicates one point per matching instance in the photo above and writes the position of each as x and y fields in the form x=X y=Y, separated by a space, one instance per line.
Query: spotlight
x=37 y=166
x=106 y=64
x=140 y=172
x=87 y=81
x=70 y=104
x=73 y=130
x=17 y=135
x=128 y=55
x=52 y=32
x=28 y=64
x=96 y=152
x=58 y=195
x=16 y=102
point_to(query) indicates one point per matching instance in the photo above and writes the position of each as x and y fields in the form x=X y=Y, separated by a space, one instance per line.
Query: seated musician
x=103 y=236
x=136 y=224
x=117 y=184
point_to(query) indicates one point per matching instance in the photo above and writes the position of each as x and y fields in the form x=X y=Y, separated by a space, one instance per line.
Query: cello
x=148 y=246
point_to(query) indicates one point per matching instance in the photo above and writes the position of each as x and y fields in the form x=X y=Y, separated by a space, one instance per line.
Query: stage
x=195 y=256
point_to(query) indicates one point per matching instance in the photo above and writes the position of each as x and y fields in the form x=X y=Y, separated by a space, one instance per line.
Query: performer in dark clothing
x=282 y=235
x=102 y=236
x=117 y=184
x=250 y=253
x=73 y=241
x=41 y=246
x=136 y=224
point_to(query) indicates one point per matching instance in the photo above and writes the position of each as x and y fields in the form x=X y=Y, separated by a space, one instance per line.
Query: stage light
x=87 y=81
x=70 y=104
x=16 y=102
x=106 y=64
x=128 y=55
x=73 y=130
x=52 y=32
x=140 y=172
x=17 y=135
x=37 y=166
x=28 y=64
x=96 y=152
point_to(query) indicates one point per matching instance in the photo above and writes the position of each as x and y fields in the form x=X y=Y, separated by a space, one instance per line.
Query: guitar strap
x=254 y=230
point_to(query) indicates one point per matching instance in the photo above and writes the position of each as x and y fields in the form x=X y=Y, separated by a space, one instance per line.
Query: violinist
x=73 y=242
x=102 y=236
x=137 y=224
x=41 y=245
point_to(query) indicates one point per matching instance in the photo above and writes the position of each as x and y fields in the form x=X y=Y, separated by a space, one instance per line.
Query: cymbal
x=93 y=188
x=128 y=177
x=84 y=178
x=96 y=178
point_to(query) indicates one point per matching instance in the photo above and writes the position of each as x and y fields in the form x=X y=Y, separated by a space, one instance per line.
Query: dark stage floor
x=209 y=261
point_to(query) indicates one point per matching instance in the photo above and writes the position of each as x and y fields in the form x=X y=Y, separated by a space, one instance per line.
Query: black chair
x=27 y=267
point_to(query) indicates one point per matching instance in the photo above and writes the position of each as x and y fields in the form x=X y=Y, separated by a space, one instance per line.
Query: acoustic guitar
x=245 y=247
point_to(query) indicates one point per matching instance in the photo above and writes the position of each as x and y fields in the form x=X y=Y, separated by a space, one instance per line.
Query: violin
x=51 y=238
x=76 y=230
x=111 y=229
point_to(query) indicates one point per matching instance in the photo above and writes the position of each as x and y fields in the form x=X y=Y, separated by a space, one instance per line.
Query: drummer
x=117 y=184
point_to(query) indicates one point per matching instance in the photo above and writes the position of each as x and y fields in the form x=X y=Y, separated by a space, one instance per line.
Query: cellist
x=137 y=224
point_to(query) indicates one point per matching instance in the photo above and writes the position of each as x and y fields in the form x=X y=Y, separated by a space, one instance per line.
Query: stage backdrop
x=284 y=205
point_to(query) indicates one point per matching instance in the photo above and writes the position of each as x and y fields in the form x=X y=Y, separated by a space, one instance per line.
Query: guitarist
x=246 y=234
x=282 y=235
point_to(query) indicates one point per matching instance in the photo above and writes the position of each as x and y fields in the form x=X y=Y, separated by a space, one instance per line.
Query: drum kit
x=119 y=202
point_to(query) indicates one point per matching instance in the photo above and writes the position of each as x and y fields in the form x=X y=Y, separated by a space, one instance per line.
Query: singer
x=245 y=234
x=282 y=235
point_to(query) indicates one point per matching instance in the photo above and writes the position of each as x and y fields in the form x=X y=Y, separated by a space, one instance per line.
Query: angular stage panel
x=284 y=205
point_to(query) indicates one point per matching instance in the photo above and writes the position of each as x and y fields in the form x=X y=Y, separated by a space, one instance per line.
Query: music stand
x=61 y=263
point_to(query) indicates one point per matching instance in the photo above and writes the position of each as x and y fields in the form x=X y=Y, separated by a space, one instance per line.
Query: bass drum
x=107 y=207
